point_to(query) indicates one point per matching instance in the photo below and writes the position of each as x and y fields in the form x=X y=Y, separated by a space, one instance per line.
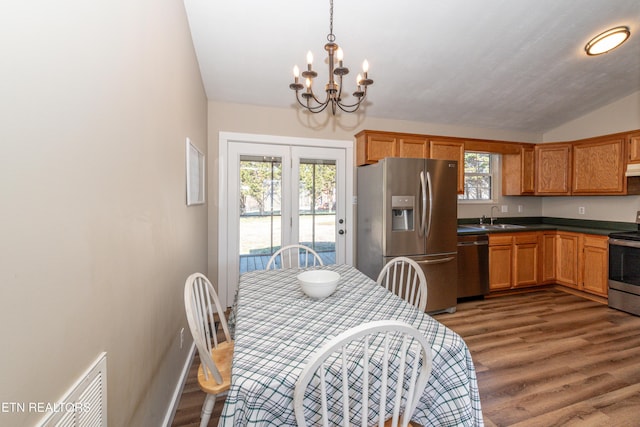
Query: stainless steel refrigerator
x=408 y=207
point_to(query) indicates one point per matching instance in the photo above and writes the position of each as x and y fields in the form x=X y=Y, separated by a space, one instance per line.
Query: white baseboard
x=175 y=400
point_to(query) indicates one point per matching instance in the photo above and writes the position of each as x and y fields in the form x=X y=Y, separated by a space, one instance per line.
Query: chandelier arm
x=313 y=108
x=357 y=104
x=350 y=108
x=318 y=108
x=315 y=98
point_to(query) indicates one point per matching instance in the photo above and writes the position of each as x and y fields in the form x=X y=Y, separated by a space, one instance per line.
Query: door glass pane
x=260 y=210
x=317 y=207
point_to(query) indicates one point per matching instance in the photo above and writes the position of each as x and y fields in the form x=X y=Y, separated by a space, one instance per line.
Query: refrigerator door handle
x=423 y=191
x=436 y=261
x=429 y=186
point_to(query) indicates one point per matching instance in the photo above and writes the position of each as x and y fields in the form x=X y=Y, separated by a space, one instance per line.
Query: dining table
x=277 y=328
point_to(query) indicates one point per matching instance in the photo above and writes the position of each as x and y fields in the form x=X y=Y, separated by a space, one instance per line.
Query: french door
x=281 y=191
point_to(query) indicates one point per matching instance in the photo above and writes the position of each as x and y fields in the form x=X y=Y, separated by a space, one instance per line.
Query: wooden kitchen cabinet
x=634 y=148
x=449 y=149
x=595 y=264
x=548 y=257
x=518 y=172
x=525 y=259
x=500 y=261
x=567 y=258
x=553 y=169
x=513 y=260
x=599 y=167
x=374 y=146
x=413 y=147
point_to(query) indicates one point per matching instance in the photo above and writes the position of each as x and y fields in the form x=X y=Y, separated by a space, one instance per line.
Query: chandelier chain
x=330 y=36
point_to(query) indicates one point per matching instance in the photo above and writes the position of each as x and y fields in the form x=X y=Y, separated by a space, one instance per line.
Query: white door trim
x=225 y=139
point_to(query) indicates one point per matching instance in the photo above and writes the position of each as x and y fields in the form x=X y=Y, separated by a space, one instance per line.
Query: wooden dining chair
x=294 y=256
x=329 y=383
x=214 y=373
x=404 y=277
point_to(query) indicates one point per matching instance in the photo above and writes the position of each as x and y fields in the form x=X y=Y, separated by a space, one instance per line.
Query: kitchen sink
x=494 y=226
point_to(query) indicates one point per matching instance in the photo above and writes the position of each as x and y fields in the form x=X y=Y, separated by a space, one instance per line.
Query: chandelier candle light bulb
x=333 y=88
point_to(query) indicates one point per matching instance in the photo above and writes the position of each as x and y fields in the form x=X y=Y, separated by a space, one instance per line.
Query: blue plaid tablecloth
x=277 y=328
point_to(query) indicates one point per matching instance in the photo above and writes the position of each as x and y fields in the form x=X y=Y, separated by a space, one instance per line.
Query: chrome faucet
x=492 y=217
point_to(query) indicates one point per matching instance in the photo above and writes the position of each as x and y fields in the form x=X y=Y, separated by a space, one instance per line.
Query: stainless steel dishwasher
x=473 y=265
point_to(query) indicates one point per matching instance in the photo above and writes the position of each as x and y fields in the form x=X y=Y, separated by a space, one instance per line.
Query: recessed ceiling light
x=609 y=40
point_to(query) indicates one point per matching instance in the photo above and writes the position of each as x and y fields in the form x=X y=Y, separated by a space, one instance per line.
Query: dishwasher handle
x=476 y=243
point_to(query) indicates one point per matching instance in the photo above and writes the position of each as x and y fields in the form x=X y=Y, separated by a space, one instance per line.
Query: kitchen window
x=479 y=176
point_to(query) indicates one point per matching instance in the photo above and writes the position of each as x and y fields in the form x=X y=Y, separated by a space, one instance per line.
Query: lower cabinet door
x=595 y=265
x=500 y=259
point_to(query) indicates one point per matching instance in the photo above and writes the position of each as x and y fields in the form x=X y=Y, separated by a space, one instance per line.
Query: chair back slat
x=384 y=376
x=294 y=256
x=379 y=352
x=365 y=381
x=405 y=278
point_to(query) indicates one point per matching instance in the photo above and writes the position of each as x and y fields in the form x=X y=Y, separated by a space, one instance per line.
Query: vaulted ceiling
x=505 y=64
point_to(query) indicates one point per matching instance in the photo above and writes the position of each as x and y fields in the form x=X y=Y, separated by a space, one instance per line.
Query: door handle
x=436 y=261
x=423 y=191
x=430 y=192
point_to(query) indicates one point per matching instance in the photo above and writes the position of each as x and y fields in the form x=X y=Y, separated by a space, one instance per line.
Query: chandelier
x=333 y=89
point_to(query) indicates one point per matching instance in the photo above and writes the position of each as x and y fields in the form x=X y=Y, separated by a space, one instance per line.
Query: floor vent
x=85 y=404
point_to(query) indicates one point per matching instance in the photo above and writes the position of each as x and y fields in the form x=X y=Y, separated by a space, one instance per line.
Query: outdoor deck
x=259 y=262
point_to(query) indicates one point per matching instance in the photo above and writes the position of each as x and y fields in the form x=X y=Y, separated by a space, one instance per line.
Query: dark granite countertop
x=466 y=225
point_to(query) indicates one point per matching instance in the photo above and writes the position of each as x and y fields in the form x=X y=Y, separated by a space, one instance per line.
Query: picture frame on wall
x=195 y=174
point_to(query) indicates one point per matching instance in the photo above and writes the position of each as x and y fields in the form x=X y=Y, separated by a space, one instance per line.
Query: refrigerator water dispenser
x=402 y=208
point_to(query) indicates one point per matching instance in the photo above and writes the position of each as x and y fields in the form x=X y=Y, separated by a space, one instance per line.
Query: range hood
x=633 y=169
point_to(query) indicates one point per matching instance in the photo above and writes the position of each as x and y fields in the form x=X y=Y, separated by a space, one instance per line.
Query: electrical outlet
x=638 y=217
x=520 y=208
x=581 y=210
x=504 y=208
x=181 y=337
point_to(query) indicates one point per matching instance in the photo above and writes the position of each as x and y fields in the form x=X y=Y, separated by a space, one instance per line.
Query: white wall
x=622 y=115
x=96 y=240
x=619 y=116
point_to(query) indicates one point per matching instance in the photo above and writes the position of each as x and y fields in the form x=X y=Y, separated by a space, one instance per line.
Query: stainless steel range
x=624 y=271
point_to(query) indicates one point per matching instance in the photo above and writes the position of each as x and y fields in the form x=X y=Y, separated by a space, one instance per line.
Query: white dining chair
x=404 y=277
x=214 y=373
x=294 y=256
x=329 y=383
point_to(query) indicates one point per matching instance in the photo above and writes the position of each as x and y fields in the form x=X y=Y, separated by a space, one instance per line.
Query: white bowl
x=318 y=284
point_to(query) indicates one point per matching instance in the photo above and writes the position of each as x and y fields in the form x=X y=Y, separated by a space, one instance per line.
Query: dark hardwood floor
x=550 y=358
x=546 y=358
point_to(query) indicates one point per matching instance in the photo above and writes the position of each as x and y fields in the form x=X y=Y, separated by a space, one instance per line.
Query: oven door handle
x=622 y=242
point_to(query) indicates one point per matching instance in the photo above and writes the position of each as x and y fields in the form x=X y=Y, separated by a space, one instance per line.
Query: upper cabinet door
x=634 y=148
x=518 y=172
x=371 y=147
x=553 y=169
x=598 y=167
x=413 y=147
x=449 y=150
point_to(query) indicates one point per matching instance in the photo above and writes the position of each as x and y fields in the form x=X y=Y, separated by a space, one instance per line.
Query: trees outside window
x=478 y=176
